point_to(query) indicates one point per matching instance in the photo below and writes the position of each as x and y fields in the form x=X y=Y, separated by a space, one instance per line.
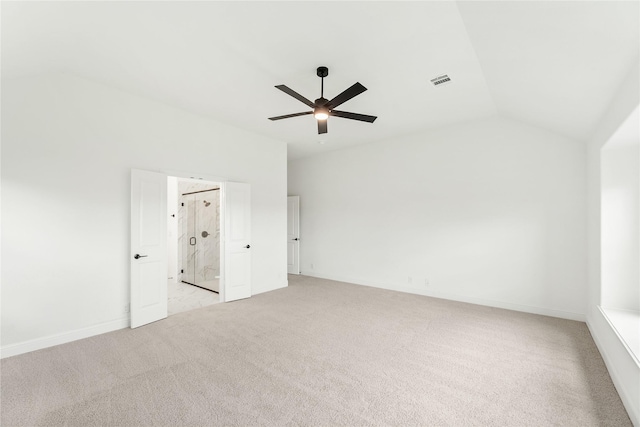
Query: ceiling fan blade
x=322 y=126
x=296 y=95
x=353 y=116
x=290 y=115
x=354 y=90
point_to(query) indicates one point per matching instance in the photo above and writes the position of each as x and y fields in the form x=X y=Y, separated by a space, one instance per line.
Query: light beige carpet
x=321 y=353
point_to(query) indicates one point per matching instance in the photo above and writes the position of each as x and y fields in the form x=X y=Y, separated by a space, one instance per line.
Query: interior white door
x=236 y=273
x=148 y=247
x=293 y=234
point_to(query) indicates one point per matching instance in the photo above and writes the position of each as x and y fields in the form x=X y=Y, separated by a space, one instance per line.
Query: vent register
x=440 y=80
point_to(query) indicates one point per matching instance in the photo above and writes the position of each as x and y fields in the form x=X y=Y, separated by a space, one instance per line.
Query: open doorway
x=151 y=239
x=193 y=243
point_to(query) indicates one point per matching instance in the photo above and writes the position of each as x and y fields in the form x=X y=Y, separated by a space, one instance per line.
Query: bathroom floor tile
x=184 y=297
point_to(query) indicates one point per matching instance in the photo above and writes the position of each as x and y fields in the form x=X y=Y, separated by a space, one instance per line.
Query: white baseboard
x=63 y=338
x=453 y=297
x=622 y=366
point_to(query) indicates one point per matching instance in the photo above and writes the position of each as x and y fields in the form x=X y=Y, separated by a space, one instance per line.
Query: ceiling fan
x=323 y=108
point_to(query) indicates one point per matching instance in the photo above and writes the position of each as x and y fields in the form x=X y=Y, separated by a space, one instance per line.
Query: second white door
x=236 y=265
x=293 y=234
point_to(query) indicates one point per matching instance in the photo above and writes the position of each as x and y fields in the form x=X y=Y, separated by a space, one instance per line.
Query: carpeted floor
x=321 y=353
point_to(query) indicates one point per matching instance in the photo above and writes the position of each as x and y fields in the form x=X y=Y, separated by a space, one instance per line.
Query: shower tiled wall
x=208 y=249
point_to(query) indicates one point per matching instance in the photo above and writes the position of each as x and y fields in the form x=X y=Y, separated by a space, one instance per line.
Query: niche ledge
x=626 y=325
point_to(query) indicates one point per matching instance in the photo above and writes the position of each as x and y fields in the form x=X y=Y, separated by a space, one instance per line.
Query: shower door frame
x=181 y=248
x=220 y=183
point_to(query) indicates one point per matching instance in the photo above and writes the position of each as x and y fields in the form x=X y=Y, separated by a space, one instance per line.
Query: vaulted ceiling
x=551 y=64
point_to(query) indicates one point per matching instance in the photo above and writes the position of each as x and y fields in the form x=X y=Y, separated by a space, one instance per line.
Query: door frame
x=222 y=182
x=297 y=244
x=224 y=190
x=196 y=177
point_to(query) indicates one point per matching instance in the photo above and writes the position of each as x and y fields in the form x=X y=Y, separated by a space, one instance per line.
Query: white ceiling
x=551 y=64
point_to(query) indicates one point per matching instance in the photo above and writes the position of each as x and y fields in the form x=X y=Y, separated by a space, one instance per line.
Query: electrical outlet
x=126 y=308
x=426 y=282
x=410 y=280
x=312 y=266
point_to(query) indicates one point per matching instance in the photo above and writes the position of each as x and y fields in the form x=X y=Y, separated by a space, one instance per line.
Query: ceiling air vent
x=440 y=80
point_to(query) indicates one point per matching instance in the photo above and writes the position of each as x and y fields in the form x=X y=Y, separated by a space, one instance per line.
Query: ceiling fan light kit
x=322 y=107
x=321 y=113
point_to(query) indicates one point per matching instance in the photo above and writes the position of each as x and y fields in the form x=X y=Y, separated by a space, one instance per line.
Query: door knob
x=138 y=256
x=248 y=246
x=296 y=239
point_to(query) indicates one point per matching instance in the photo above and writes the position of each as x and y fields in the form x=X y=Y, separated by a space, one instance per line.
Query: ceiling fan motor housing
x=323 y=72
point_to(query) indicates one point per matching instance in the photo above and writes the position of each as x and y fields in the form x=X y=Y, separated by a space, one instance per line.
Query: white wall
x=68 y=148
x=620 y=183
x=624 y=370
x=489 y=212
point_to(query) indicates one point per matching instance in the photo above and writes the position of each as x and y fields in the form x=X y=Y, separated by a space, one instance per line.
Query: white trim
x=103 y=328
x=620 y=381
x=63 y=338
x=454 y=297
x=194 y=177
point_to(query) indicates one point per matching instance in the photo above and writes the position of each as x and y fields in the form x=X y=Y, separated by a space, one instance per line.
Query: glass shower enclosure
x=200 y=215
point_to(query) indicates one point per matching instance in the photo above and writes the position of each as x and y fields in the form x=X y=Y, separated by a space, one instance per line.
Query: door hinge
x=181 y=204
x=181 y=271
